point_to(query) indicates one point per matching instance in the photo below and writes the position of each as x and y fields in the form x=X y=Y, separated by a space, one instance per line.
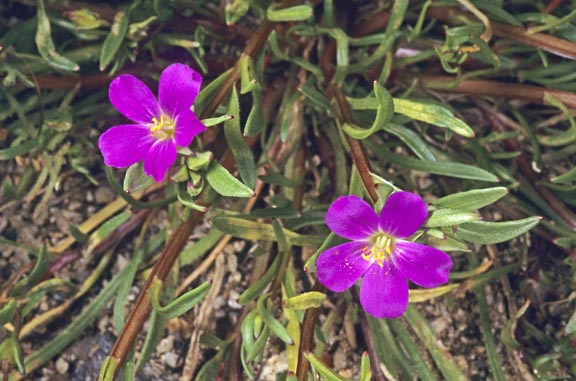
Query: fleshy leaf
x=225 y=183
x=494 y=232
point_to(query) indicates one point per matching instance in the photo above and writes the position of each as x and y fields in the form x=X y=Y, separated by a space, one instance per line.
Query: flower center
x=381 y=247
x=162 y=129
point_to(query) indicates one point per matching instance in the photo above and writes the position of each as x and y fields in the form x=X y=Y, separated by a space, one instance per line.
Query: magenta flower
x=380 y=253
x=160 y=125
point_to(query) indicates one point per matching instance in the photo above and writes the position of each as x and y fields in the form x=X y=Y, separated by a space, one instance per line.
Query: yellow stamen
x=163 y=128
x=381 y=248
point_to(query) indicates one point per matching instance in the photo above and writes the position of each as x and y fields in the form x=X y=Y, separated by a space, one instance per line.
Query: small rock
x=62 y=365
x=103 y=195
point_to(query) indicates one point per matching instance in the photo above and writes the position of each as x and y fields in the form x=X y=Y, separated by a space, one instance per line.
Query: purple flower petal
x=339 y=267
x=424 y=265
x=125 y=145
x=160 y=157
x=403 y=214
x=352 y=218
x=187 y=127
x=133 y=99
x=178 y=88
x=384 y=291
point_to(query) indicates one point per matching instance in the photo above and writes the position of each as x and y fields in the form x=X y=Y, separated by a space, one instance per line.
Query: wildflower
x=380 y=252
x=160 y=125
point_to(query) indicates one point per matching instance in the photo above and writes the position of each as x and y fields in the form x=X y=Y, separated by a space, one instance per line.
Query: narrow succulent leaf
x=486 y=329
x=242 y=153
x=119 y=309
x=225 y=183
x=458 y=170
x=255 y=122
x=247 y=79
x=293 y=328
x=384 y=114
x=197 y=249
x=135 y=179
x=316 y=98
x=157 y=326
x=484 y=232
x=107 y=228
x=247 y=330
x=471 y=200
x=108 y=369
x=327 y=373
x=440 y=355
x=297 y=13
x=209 y=122
x=450 y=217
x=280 y=236
x=235 y=10
x=422 y=295
x=45 y=44
x=19 y=149
x=242 y=228
x=275 y=326
x=412 y=140
x=312 y=299
x=114 y=39
x=40 y=268
x=365 y=373
x=180 y=305
x=566 y=177
x=208 y=92
x=419 y=367
x=258 y=287
x=7 y=312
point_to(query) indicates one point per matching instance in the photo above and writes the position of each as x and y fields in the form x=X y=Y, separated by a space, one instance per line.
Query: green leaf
x=242 y=228
x=197 y=249
x=473 y=199
x=280 y=237
x=275 y=326
x=40 y=268
x=384 y=114
x=422 y=295
x=7 y=312
x=255 y=122
x=238 y=146
x=180 y=305
x=412 y=140
x=107 y=228
x=312 y=299
x=432 y=113
x=423 y=111
x=18 y=150
x=327 y=373
x=365 y=372
x=46 y=45
x=450 y=217
x=257 y=288
x=217 y=120
x=483 y=232
x=114 y=39
x=247 y=79
x=458 y=170
x=11 y=351
x=297 y=13
x=135 y=179
x=316 y=97
x=208 y=92
x=236 y=10
x=225 y=183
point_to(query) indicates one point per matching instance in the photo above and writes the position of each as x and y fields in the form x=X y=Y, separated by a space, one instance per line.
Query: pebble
x=103 y=195
x=62 y=365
